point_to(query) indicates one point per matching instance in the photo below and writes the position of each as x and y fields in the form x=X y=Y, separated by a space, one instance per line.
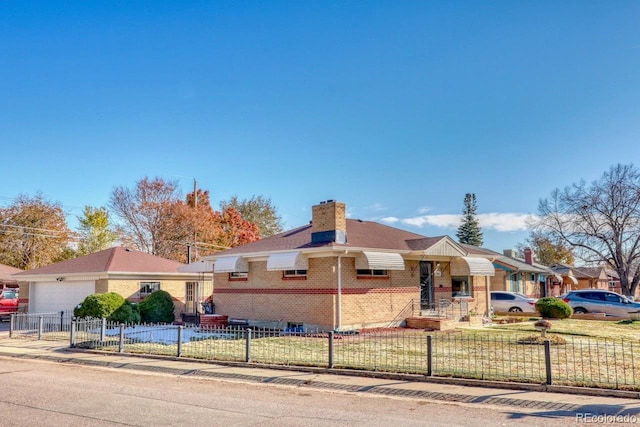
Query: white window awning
x=287 y=261
x=555 y=278
x=572 y=280
x=199 y=266
x=231 y=264
x=472 y=266
x=379 y=261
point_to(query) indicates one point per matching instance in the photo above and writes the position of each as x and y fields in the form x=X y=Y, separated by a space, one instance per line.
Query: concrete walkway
x=558 y=401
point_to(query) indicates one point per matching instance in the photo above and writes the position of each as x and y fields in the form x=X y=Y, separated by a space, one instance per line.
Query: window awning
x=200 y=266
x=379 y=261
x=231 y=264
x=472 y=266
x=572 y=280
x=287 y=261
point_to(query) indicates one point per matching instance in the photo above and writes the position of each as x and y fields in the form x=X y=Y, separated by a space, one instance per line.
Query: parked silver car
x=503 y=301
x=600 y=301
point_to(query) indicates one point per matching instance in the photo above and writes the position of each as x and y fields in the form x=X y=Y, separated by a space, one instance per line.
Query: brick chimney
x=329 y=222
x=528 y=256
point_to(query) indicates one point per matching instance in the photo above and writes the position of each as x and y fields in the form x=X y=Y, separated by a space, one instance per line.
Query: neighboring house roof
x=113 y=260
x=360 y=234
x=7 y=272
x=517 y=264
x=587 y=272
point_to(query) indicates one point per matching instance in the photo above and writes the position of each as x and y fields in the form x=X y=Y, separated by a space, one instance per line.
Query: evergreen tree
x=469 y=231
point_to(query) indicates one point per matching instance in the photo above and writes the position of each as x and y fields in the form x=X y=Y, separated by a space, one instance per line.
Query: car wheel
x=515 y=310
x=579 y=310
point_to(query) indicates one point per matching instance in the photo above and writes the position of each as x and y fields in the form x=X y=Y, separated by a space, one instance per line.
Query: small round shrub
x=157 y=308
x=127 y=313
x=553 y=308
x=99 y=305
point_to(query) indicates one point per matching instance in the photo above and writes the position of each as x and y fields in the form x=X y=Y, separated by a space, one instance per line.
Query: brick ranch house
x=132 y=274
x=340 y=274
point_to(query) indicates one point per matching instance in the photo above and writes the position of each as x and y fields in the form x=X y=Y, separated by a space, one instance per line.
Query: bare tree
x=600 y=222
x=142 y=210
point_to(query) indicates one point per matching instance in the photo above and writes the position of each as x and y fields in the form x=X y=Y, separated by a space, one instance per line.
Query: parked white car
x=512 y=302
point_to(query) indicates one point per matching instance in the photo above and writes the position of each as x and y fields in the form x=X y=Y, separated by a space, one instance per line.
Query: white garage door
x=52 y=297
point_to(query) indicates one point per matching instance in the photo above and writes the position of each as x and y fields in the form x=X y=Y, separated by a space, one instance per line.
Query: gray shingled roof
x=517 y=263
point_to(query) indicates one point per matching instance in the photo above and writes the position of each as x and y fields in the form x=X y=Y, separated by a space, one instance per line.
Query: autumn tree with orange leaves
x=33 y=233
x=162 y=223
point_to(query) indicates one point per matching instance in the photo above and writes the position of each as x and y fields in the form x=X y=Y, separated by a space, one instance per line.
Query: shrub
x=127 y=313
x=553 y=308
x=157 y=308
x=99 y=305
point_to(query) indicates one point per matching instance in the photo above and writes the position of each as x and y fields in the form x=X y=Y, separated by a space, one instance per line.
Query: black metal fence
x=578 y=361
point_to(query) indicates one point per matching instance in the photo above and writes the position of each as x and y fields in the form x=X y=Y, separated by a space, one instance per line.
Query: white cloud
x=390 y=219
x=491 y=221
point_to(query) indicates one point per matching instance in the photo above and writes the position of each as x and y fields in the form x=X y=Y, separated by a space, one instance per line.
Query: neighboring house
x=7 y=281
x=614 y=280
x=340 y=274
x=132 y=274
x=591 y=277
x=515 y=274
x=562 y=280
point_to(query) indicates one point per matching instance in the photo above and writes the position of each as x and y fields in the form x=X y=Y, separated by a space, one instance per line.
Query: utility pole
x=195 y=207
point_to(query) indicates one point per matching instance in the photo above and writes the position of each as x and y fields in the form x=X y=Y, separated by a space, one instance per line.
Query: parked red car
x=8 y=304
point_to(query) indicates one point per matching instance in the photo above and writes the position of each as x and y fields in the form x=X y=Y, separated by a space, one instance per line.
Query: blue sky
x=397 y=108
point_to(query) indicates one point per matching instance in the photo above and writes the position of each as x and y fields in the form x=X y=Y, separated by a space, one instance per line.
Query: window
x=533 y=277
x=146 y=288
x=379 y=273
x=238 y=276
x=295 y=274
x=460 y=287
x=502 y=297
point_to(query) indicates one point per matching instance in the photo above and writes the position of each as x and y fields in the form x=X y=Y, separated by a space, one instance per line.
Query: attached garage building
x=132 y=274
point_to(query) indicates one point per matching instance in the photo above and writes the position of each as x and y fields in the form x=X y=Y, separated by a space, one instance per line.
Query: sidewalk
x=563 y=401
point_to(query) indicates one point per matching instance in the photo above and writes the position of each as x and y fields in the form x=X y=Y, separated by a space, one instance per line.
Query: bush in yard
x=127 y=313
x=157 y=308
x=553 y=308
x=99 y=305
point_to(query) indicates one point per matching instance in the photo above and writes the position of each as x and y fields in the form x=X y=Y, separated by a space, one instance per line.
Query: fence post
x=331 y=363
x=103 y=330
x=547 y=360
x=40 y=327
x=72 y=335
x=61 y=321
x=121 y=340
x=12 y=325
x=248 y=345
x=429 y=355
x=179 y=341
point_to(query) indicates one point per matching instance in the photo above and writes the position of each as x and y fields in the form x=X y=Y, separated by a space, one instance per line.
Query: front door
x=190 y=298
x=426 y=285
